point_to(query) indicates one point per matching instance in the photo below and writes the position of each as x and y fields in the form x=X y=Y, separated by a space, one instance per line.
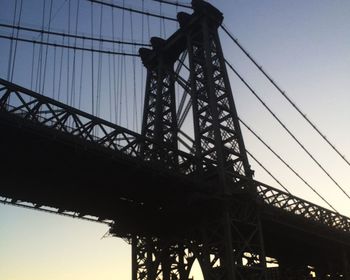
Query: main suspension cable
x=67 y=46
x=283 y=93
x=133 y=10
x=74 y=36
x=267 y=171
x=285 y=163
x=286 y=129
x=177 y=4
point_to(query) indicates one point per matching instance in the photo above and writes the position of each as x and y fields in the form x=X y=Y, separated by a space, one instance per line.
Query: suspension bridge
x=155 y=150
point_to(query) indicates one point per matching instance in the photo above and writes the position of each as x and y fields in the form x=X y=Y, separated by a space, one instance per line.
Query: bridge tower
x=227 y=241
x=159 y=120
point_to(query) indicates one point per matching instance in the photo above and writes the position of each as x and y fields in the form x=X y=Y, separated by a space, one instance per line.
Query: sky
x=303 y=45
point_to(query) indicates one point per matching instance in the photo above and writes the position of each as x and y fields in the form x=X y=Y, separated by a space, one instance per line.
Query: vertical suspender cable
x=135 y=125
x=92 y=60
x=74 y=56
x=33 y=62
x=114 y=72
x=109 y=88
x=54 y=72
x=141 y=66
x=160 y=20
x=11 y=42
x=60 y=74
x=81 y=75
x=121 y=70
x=15 y=51
x=126 y=92
x=148 y=27
x=47 y=47
x=40 y=57
x=99 y=70
x=68 y=52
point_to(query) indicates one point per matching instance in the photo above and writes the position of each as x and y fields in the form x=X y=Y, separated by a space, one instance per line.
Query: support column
x=218 y=139
x=159 y=117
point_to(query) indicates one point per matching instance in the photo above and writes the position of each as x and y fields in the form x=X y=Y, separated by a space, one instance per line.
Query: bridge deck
x=60 y=159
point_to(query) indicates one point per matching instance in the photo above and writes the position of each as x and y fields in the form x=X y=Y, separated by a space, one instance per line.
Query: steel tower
x=228 y=241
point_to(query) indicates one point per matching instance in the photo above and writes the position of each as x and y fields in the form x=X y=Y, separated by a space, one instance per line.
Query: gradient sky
x=303 y=45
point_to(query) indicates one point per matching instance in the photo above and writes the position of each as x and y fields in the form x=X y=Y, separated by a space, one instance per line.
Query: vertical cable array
x=92 y=60
x=81 y=76
x=68 y=53
x=135 y=115
x=115 y=102
x=72 y=100
x=99 y=70
x=39 y=70
x=15 y=51
x=11 y=42
x=47 y=47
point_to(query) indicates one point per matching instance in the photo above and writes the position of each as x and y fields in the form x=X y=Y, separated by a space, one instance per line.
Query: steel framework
x=27 y=106
x=227 y=240
x=159 y=118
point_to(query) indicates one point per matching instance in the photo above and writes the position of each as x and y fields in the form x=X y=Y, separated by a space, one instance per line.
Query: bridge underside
x=63 y=172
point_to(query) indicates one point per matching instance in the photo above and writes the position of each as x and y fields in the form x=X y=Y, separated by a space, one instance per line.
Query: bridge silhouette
x=173 y=206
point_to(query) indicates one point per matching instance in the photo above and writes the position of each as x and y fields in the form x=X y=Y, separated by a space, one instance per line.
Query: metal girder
x=27 y=105
x=43 y=208
x=298 y=207
x=18 y=102
x=229 y=241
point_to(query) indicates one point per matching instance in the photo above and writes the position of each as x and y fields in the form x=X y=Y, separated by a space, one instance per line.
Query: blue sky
x=303 y=45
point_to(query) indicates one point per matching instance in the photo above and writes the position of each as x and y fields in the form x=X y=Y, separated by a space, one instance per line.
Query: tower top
x=170 y=49
x=203 y=8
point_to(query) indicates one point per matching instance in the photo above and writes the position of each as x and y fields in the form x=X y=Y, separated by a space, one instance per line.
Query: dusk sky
x=303 y=45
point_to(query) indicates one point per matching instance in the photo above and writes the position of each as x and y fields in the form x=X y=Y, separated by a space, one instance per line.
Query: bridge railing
x=302 y=208
x=286 y=202
x=47 y=112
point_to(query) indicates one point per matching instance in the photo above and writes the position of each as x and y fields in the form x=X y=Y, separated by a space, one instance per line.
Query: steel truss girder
x=18 y=101
x=26 y=105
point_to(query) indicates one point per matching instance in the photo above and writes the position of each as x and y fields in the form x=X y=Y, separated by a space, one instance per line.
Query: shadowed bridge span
x=59 y=159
